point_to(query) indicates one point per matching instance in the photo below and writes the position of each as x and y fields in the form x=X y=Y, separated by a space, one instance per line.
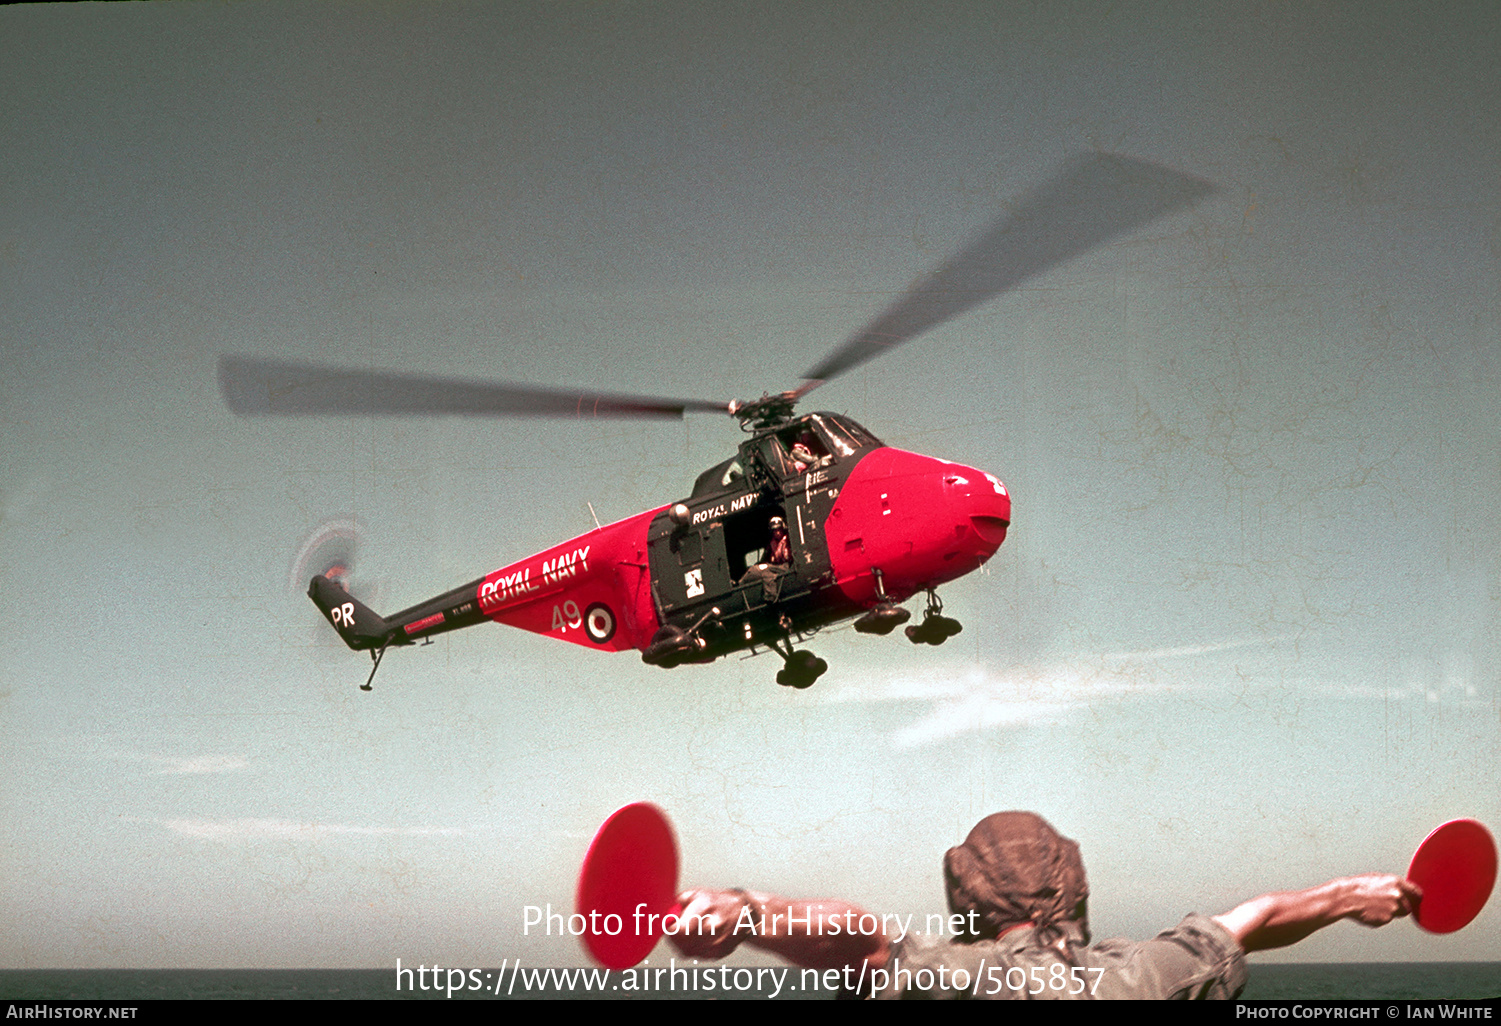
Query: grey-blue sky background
x=1244 y=635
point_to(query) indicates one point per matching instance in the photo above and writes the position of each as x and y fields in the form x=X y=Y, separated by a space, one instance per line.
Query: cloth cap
x=1015 y=868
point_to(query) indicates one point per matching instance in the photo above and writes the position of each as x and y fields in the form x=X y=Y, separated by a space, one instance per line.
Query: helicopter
x=812 y=522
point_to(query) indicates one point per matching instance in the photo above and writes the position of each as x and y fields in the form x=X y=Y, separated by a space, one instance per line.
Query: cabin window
x=690 y=548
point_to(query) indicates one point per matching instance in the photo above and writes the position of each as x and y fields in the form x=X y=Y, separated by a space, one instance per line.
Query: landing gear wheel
x=802 y=669
x=945 y=626
x=882 y=620
x=935 y=628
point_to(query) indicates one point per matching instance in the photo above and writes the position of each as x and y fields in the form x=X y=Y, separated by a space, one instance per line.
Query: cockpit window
x=807 y=444
x=805 y=447
x=774 y=455
x=842 y=442
x=833 y=423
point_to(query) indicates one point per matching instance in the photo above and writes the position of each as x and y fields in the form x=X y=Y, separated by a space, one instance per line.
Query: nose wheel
x=935 y=628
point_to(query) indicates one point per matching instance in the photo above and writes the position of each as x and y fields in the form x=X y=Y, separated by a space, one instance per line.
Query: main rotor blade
x=1094 y=199
x=272 y=388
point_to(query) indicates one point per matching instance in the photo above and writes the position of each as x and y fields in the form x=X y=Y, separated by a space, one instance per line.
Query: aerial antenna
x=593 y=514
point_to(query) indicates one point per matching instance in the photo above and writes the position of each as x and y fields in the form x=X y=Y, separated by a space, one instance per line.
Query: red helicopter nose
x=980 y=503
x=920 y=521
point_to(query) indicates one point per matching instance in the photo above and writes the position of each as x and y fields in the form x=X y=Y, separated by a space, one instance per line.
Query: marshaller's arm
x=1286 y=917
x=821 y=933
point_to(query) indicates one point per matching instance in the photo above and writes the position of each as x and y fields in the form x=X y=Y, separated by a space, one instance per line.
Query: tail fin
x=360 y=627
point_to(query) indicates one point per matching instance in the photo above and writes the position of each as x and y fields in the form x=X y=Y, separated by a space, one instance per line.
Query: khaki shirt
x=1196 y=960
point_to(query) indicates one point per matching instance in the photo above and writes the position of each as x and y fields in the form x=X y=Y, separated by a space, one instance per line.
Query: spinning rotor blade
x=1093 y=200
x=330 y=549
x=270 y=388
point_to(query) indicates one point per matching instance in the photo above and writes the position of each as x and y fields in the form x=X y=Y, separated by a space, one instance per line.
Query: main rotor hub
x=769 y=411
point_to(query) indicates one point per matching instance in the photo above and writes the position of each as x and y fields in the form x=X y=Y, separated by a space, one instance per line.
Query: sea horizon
x=1462 y=981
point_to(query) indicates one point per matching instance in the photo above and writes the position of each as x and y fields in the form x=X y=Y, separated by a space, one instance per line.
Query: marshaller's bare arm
x=1286 y=917
x=801 y=932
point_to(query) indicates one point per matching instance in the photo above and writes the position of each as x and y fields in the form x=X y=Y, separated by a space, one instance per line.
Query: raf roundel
x=599 y=622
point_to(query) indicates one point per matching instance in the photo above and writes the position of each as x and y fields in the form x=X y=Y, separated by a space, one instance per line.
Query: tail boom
x=362 y=629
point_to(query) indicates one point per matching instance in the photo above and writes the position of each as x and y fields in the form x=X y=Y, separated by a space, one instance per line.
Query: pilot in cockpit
x=807 y=451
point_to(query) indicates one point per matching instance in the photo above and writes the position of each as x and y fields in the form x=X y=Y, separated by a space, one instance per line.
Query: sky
x=1244 y=635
